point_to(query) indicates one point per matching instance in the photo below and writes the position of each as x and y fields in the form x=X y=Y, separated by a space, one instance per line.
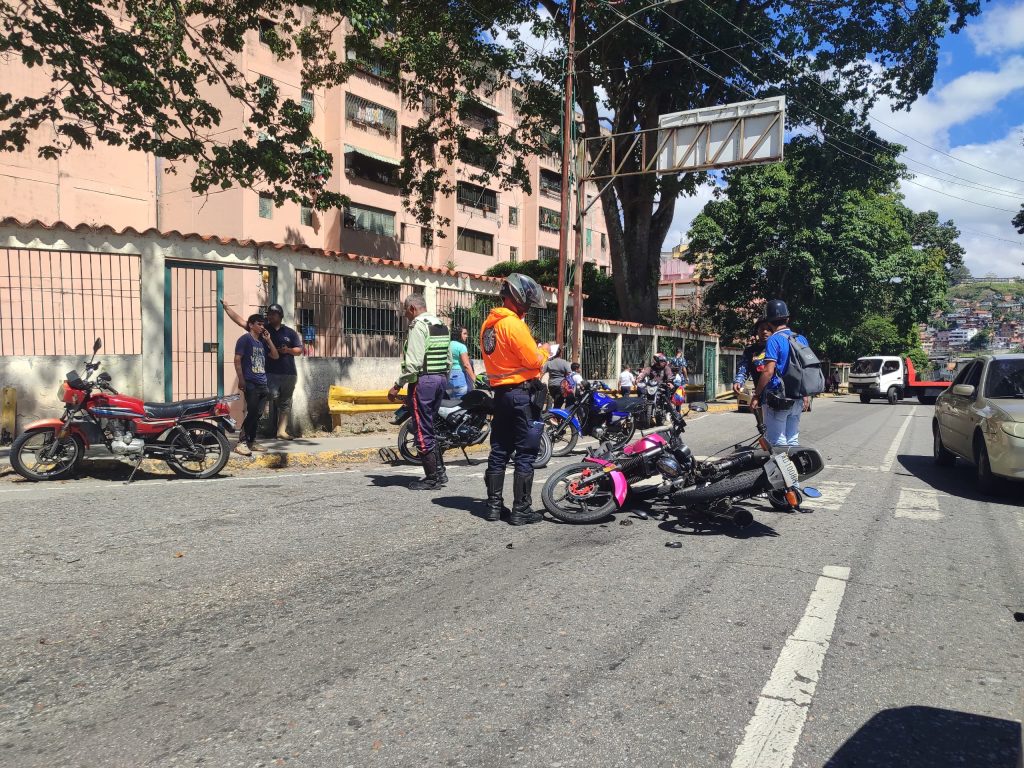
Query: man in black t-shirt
x=281 y=373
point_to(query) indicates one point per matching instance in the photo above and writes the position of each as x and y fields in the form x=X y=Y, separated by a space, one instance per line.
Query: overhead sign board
x=745 y=133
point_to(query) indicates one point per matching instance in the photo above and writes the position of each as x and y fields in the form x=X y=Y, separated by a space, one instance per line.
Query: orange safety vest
x=510 y=354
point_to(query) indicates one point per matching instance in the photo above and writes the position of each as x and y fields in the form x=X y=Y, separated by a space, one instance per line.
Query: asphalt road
x=338 y=619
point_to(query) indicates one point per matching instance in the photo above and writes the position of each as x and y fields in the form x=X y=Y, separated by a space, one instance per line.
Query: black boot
x=495 y=483
x=429 y=482
x=522 y=504
x=442 y=473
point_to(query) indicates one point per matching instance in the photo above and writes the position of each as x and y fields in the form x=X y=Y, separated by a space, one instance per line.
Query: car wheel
x=988 y=483
x=865 y=397
x=943 y=457
x=893 y=395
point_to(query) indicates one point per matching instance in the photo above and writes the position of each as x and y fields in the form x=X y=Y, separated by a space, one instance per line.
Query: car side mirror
x=96 y=346
x=964 y=390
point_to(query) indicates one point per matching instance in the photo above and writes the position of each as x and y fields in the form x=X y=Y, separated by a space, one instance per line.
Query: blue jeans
x=783 y=427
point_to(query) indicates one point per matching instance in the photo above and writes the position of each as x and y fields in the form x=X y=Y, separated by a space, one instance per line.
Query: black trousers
x=256 y=396
x=516 y=428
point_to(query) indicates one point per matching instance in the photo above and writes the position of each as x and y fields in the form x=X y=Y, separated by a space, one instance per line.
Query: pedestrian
x=626 y=381
x=251 y=353
x=577 y=377
x=836 y=380
x=460 y=380
x=679 y=368
x=426 y=364
x=514 y=363
x=557 y=368
x=282 y=375
x=781 y=414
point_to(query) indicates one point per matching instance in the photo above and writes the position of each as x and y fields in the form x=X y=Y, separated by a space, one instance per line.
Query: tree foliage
x=598 y=290
x=835 y=241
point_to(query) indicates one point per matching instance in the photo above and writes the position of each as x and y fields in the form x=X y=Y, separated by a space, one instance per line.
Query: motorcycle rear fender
x=56 y=425
x=217 y=421
x=619 y=485
x=565 y=415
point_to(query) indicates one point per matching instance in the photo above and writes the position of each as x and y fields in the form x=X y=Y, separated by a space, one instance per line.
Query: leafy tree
x=980 y=340
x=599 y=291
x=876 y=335
x=921 y=361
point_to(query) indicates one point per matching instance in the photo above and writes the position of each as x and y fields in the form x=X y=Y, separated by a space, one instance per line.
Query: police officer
x=514 y=362
x=426 y=361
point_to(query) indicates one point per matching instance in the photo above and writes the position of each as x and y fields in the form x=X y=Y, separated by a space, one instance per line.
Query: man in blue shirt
x=781 y=414
x=251 y=354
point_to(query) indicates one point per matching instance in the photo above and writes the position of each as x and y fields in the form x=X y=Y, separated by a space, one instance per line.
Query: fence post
x=151 y=277
x=618 y=356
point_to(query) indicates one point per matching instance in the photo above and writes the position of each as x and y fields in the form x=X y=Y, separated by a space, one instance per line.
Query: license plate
x=788 y=469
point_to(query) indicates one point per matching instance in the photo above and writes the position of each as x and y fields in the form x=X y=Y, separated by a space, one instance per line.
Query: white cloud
x=998 y=30
x=686 y=209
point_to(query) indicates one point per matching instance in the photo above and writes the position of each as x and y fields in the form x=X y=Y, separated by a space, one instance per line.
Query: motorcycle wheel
x=544 y=454
x=407 y=444
x=565 y=501
x=622 y=435
x=741 y=486
x=561 y=434
x=778 y=499
x=67 y=458
x=212 y=451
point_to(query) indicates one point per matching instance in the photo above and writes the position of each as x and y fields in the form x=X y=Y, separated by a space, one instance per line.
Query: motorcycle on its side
x=188 y=435
x=594 y=414
x=601 y=484
x=460 y=423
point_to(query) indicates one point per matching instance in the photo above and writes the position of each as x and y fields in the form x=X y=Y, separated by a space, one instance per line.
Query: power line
x=782 y=58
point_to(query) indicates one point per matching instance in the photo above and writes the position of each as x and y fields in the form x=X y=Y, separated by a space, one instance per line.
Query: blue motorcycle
x=594 y=414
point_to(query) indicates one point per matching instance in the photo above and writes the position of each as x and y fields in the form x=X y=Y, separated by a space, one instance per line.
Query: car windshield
x=1005 y=379
x=867 y=365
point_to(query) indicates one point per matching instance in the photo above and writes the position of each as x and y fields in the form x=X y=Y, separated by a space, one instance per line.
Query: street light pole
x=567 y=118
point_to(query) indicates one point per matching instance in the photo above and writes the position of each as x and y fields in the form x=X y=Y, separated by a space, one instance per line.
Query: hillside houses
x=992 y=308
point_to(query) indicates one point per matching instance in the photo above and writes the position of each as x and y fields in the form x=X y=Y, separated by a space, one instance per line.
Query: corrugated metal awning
x=372 y=155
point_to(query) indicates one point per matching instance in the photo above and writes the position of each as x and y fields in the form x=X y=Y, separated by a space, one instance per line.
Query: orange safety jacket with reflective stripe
x=510 y=354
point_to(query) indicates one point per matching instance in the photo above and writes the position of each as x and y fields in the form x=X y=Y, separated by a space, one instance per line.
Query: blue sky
x=972 y=122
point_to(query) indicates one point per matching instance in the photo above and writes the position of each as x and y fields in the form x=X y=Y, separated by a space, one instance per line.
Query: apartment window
x=550 y=183
x=476 y=197
x=366 y=219
x=543 y=252
x=370 y=116
x=266 y=206
x=267 y=31
x=477 y=115
x=426 y=237
x=428 y=103
x=474 y=152
x=264 y=84
x=306 y=216
x=476 y=242
x=513 y=254
x=307 y=103
x=550 y=220
x=604 y=241
x=371 y=62
x=513 y=216
x=363 y=165
x=604 y=270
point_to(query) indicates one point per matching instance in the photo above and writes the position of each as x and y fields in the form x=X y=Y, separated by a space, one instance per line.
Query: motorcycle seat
x=628 y=403
x=180 y=408
x=451 y=403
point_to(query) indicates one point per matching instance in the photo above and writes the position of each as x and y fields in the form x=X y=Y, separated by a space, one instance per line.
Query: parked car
x=980 y=419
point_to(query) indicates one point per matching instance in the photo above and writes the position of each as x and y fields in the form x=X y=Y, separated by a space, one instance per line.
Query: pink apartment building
x=361 y=124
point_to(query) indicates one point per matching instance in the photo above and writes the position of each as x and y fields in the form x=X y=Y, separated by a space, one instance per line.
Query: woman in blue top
x=460 y=380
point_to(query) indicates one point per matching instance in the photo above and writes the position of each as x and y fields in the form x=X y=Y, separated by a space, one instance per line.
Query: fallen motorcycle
x=590 y=491
x=188 y=435
x=594 y=414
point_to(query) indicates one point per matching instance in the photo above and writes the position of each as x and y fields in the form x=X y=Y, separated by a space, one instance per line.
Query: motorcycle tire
x=778 y=499
x=741 y=486
x=569 y=507
x=544 y=454
x=407 y=444
x=67 y=467
x=622 y=436
x=204 y=435
x=561 y=434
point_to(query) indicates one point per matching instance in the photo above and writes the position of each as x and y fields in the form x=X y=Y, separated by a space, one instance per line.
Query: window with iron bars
x=371 y=116
x=372 y=63
x=350 y=317
x=366 y=219
x=475 y=152
x=476 y=115
x=598 y=356
x=307 y=103
x=543 y=252
x=476 y=242
x=637 y=351
x=476 y=197
x=513 y=216
x=40 y=291
x=550 y=183
x=550 y=220
x=264 y=84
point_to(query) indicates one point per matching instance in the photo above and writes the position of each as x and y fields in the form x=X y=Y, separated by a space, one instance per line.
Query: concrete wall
x=37 y=380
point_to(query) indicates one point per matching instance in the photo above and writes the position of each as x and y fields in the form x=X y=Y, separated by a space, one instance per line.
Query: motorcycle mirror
x=811 y=493
x=96 y=346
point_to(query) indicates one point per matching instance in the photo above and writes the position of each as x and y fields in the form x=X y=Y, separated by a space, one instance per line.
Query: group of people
x=663 y=369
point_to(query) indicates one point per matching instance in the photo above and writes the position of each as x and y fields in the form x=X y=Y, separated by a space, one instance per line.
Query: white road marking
x=858 y=467
x=918 y=504
x=833 y=494
x=773 y=732
x=890 y=455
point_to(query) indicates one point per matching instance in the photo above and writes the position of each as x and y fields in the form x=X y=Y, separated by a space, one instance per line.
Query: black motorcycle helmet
x=775 y=309
x=524 y=292
x=659 y=361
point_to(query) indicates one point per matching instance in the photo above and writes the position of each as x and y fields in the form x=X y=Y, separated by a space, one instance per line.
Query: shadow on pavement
x=391 y=481
x=926 y=737
x=698 y=524
x=959 y=480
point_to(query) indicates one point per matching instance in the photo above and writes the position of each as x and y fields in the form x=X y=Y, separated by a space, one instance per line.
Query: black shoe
x=495 y=484
x=522 y=503
x=426 y=484
x=430 y=481
x=441 y=478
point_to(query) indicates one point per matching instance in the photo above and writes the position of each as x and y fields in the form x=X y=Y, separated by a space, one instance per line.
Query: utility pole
x=567 y=147
x=577 y=289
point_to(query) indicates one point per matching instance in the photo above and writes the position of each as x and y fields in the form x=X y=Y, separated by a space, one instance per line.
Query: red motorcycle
x=189 y=435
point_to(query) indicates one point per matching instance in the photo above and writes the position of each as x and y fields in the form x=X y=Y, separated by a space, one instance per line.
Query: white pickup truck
x=892 y=378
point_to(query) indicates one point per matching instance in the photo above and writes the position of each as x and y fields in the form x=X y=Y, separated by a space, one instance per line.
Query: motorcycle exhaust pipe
x=741 y=518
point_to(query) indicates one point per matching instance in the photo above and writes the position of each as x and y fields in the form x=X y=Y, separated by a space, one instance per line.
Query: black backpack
x=803 y=376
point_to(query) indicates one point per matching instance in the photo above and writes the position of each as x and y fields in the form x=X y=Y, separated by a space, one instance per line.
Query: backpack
x=803 y=376
x=568 y=386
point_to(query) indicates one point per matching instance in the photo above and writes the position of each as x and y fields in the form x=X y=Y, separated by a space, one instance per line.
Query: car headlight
x=1014 y=428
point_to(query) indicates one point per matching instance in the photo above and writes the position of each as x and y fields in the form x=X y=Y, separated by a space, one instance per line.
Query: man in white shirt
x=626 y=381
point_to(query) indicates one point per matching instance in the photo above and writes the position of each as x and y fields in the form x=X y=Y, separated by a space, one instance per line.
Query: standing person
x=626 y=381
x=558 y=369
x=781 y=414
x=251 y=353
x=460 y=380
x=281 y=373
x=514 y=363
x=577 y=377
x=679 y=368
x=752 y=363
x=426 y=363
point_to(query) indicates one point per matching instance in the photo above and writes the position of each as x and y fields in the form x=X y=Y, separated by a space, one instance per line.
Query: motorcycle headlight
x=1014 y=428
x=62 y=390
x=669 y=467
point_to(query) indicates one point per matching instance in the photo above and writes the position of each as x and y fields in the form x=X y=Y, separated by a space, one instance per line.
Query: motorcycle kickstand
x=468 y=460
x=135 y=469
